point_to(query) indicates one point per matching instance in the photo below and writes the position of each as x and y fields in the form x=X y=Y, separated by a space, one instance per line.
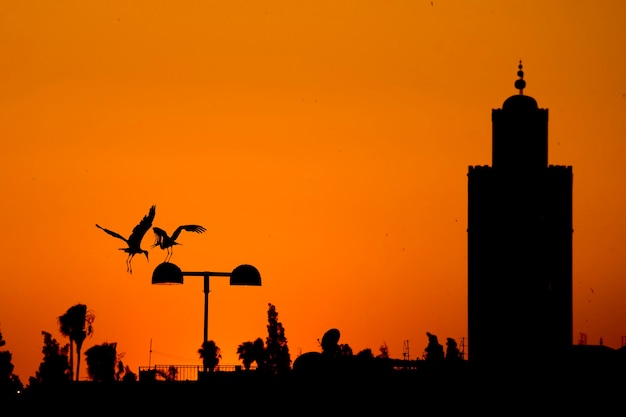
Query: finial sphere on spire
x=520 y=84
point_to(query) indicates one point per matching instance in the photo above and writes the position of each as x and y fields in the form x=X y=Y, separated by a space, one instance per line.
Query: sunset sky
x=327 y=143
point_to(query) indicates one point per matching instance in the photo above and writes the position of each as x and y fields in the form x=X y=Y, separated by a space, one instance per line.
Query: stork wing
x=188 y=228
x=112 y=233
x=140 y=230
x=159 y=235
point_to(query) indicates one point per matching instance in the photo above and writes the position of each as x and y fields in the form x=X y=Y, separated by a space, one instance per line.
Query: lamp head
x=167 y=273
x=245 y=275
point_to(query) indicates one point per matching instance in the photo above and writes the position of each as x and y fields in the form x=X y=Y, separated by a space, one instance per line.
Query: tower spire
x=520 y=83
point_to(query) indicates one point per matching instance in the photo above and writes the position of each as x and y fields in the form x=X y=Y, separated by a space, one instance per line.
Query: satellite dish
x=330 y=339
x=308 y=362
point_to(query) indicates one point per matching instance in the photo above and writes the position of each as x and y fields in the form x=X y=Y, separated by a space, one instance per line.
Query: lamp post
x=169 y=273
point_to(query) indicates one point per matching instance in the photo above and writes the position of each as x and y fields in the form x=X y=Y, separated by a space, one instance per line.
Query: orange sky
x=326 y=143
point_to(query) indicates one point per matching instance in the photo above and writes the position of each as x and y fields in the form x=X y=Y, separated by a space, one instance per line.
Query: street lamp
x=169 y=273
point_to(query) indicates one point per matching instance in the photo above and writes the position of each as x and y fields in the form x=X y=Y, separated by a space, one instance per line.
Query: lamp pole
x=207 y=276
x=206 y=307
x=169 y=273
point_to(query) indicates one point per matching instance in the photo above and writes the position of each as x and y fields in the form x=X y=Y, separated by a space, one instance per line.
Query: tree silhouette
x=384 y=351
x=434 y=350
x=55 y=368
x=10 y=383
x=101 y=361
x=246 y=354
x=120 y=371
x=260 y=355
x=210 y=354
x=172 y=372
x=452 y=351
x=365 y=354
x=76 y=324
x=129 y=375
x=278 y=358
x=366 y=364
x=345 y=350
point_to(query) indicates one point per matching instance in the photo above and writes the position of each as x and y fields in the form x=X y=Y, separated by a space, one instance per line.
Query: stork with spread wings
x=134 y=240
x=166 y=242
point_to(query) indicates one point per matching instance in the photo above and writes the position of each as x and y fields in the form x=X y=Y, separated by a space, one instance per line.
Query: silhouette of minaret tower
x=519 y=243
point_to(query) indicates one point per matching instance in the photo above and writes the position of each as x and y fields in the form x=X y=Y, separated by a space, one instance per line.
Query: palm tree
x=76 y=324
x=210 y=354
x=66 y=331
x=246 y=354
x=260 y=355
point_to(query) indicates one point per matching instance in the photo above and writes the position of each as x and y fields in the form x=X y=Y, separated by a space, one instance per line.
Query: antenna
x=462 y=350
x=405 y=350
x=150 y=357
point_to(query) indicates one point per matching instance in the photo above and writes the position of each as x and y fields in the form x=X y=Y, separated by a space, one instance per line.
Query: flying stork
x=134 y=240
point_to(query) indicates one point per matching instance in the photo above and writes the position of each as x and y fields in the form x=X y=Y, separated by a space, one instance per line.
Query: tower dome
x=520 y=133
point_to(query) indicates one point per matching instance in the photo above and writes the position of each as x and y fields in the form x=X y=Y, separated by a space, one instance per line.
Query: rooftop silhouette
x=519 y=283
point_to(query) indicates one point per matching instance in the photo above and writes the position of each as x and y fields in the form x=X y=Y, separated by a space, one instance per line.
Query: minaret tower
x=519 y=242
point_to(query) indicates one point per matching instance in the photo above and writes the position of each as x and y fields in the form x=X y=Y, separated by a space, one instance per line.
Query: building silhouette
x=519 y=243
